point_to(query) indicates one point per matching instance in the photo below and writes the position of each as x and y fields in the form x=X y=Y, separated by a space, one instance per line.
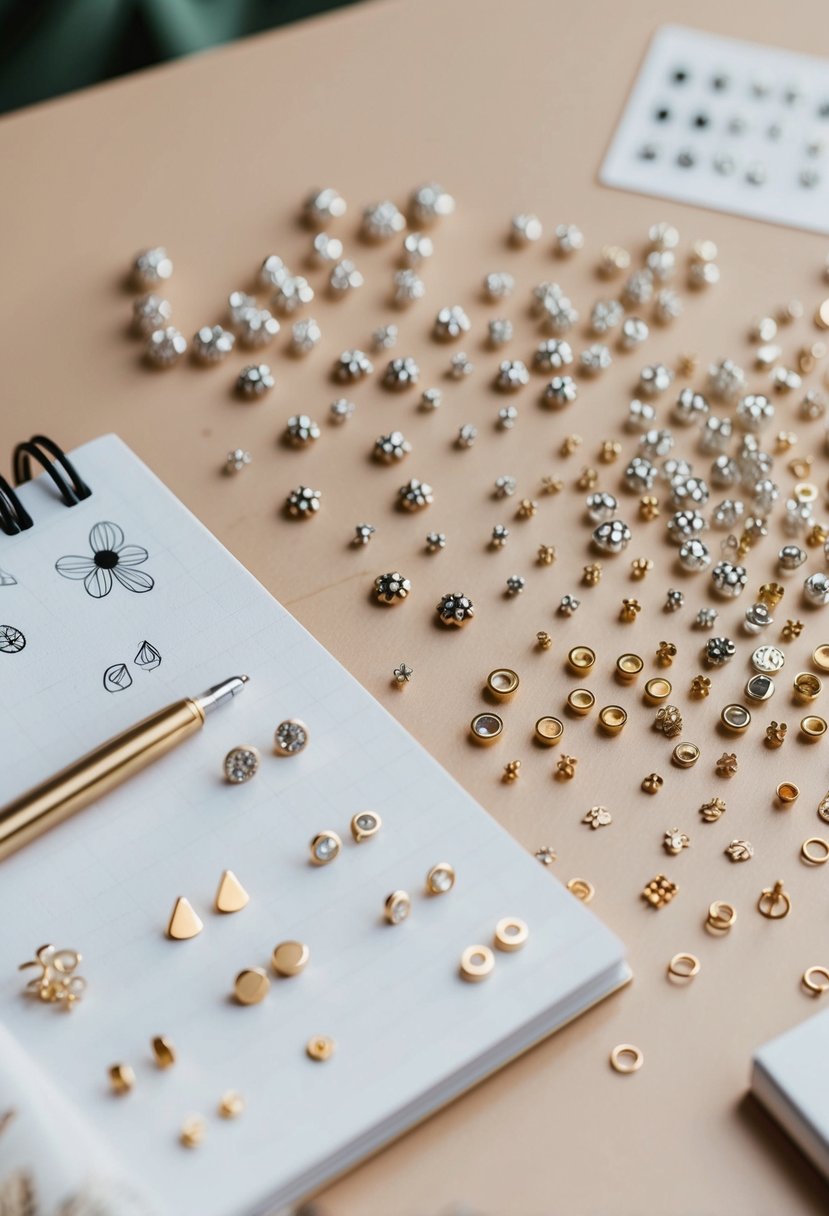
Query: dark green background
x=48 y=47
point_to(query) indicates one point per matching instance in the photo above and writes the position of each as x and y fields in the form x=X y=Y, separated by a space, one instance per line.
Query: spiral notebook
x=110 y=609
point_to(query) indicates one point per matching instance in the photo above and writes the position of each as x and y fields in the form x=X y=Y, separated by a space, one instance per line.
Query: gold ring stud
x=806 y=686
x=816 y=980
x=612 y=718
x=477 y=963
x=582 y=889
x=815 y=851
x=657 y=690
x=820 y=657
x=685 y=755
x=774 y=903
x=581 y=658
x=683 y=966
x=735 y=718
x=625 y=1058
x=440 y=879
x=628 y=667
x=812 y=727
x=502 y=683
x=548 y=731
x=397 y=907
x=580 y=701
x=486 y=728
x=787 y=793
x=511 y=934
x=721 y=916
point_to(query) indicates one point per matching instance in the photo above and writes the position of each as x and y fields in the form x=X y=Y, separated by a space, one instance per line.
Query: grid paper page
x=728 y=125
x=409 y=1033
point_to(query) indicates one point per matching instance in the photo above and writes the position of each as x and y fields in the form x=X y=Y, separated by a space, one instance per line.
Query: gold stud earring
x=397 y=907
x=486 y=728
x=290 y=737
x=164 y=1053
x=364 y=825
x=502 y=683
x=231 y=1105
x=612 y=719
x=774 y=903
x=548 y=731
x=192 y=1131
x=290 y=958
x=231 y=896
x=477 y=963
x=440 y=879
x=184 y=923
x=251 y=986
x=57 y=982
x=721 y=916
x=659 y=891
x=511 y=934
x=320 y=1048
x=325 y=848
x=121 y=1078
x=241 y=764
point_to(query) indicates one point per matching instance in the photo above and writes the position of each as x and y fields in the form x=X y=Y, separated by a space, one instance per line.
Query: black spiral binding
x=53 y=460
x=14 y=517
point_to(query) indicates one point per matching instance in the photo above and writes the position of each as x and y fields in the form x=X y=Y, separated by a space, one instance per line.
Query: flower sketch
x=111 y=558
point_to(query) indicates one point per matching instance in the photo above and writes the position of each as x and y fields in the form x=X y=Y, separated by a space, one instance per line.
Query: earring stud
x=325 y=848
x=121 y=1078
x=290 y=737
x=251 y=986
x=511 y=934
x=231 y=896
x=477 y=962
x=364 y=825
x=241 y=763
x=440 y=879
x=163 y=1051
x=397 y=907
x=184 y=922
x=290 y=958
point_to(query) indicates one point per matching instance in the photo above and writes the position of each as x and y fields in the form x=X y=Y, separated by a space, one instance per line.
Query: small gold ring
x=511 y=933
x=549 y=730
x=820 y=657
x=805 y=492
x=581 y=701
x=787 y=792
x=502 y=683
x=685 y=755
x=813 y=727
x=582 y=889
x=721 y=915
x=658 y=689
x=476 y=963
x=628 y=667
x=807 y=686
x=815 y=986
x=735 y=717
x=626 y=1058
x=683 y=966
x=774 y=904
x=486 y=728
x=612 y=718
x=807 y=851
x=581 y=658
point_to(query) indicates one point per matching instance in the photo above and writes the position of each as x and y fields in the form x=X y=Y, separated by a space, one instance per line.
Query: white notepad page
x=409 y=1033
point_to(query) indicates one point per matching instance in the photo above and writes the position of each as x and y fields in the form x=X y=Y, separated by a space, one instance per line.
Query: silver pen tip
x=220 y=693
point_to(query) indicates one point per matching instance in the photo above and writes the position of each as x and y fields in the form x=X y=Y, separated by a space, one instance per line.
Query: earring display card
x=727 y=125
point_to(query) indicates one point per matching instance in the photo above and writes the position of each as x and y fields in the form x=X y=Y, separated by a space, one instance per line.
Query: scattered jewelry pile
x=744 y=482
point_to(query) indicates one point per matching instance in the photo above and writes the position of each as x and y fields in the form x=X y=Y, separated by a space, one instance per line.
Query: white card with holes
x=113 y=608
x=727 y=125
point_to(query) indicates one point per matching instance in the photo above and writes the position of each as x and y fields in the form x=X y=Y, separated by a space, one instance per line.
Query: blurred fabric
x=49 y=47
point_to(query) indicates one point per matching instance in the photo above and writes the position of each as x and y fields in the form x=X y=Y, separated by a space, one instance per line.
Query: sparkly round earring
x=397 y=907
x=325 y=848
x=290 y=737
x=240 y=764
x=440 y=879
x=364 y=825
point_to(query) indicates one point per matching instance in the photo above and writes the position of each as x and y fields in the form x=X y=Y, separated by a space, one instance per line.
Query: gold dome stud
x=290 y=958
x=251 y=986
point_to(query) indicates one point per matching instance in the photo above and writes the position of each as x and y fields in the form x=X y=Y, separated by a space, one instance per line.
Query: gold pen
x=102 y=769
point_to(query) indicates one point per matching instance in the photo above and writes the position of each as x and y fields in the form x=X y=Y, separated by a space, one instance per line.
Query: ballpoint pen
x=107 y=766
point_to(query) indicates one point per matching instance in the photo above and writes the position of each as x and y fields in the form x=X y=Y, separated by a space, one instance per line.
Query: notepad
x=790 y=1076
x=88 y=646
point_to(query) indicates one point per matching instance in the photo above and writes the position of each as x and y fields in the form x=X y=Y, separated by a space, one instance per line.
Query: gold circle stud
x=657 y=690
x=511 y=934
x=683 y=966
x=440 y=879
x=612 y=718
x=820 y=657
x=502 y=683
x=231 y=1105
x=582 y=889
x=774 y=903
x=822 y=314
x=548 y=731
x=164 y=1053
x=628 y=667
x=486 y=728
x=290 y=958
x=251 y=986
x=320 y=1047
x=812 y=727
x=815 y=851
x=816 y=980
x=685 y=755
x=806 y=686
x=397 y=907
x=787 y=793
x=325 y=848
x=721 y=916
x=192 y=1131
x=364 y=825
x=735 y=718
x=477 y=963
x=290 y=737
x=581 y=658
x=121 y=1078
x=581 y=701
x=625 y=1058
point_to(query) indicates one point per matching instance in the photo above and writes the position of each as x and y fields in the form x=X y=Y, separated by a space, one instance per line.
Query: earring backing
x=511 y=934
x=477 y=962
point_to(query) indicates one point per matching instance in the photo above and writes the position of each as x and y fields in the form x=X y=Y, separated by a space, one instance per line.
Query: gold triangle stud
x=231 y=896
x=184 y=923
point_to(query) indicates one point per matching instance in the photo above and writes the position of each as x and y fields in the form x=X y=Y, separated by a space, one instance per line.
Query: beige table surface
x=511 y=107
